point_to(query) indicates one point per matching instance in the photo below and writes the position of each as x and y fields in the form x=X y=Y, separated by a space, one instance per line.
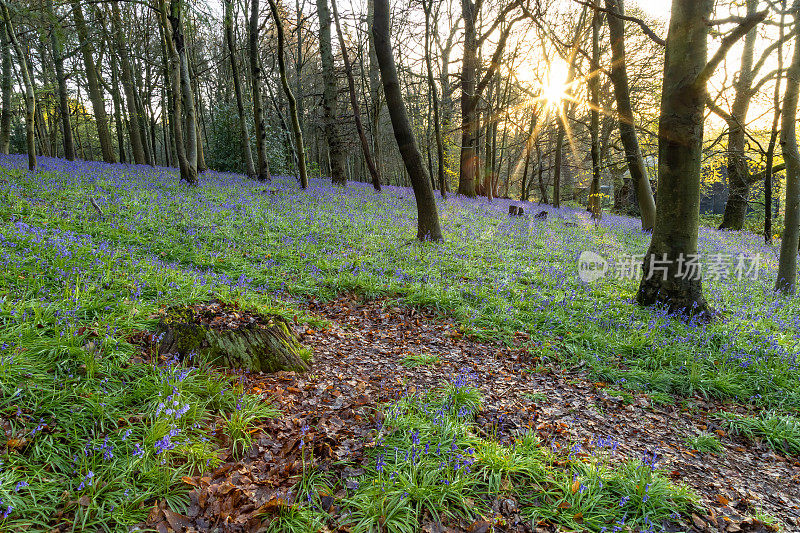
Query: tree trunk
x=126 y=72
x=262 y=172
x=92 y=79
x=5 y=116
x=185 y=88
x=786 y=281
x=63 y=97
x=428 y=228
x=373 y=170
x=374 y=91
x=300 y=151
x=330 y=110
x=119 y=116
x=529 y=140
x=437 y=126
x=30 y=98
x=540 y=170
x=738 y=172
x=187 y=172
x=469 y=113
x=559 y=154
x=687 y=70
x=680 y=146
x=627 y=130
x=198 y=106
x=168 y=97
x=595 y=200
x=773 y=138
x=244 y=135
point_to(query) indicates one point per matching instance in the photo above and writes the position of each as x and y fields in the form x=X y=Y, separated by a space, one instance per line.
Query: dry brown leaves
x=358 y=364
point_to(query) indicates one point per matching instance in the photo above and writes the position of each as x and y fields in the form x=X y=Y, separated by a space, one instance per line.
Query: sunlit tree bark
x=687 y=69
x=787 y=263
x=627 y=130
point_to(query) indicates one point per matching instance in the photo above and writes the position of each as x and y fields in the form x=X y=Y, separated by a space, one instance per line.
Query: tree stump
x=251 y=342
x=542 y=215
x=512 y=210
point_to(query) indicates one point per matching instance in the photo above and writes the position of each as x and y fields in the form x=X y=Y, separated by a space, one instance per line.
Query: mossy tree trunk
x=253 y=347
x=687 y=70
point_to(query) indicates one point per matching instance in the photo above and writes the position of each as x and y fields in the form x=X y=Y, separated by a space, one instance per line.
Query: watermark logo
x=591 y=266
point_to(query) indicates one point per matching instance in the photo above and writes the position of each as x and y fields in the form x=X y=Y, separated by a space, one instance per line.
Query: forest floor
x=462 y=386
x=373 y=352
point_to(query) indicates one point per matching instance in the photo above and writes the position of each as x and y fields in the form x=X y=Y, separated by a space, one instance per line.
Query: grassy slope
x=497 y=275
x=65 y=267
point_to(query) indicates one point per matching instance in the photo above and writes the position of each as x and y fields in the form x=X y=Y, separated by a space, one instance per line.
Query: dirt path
x=358 y=363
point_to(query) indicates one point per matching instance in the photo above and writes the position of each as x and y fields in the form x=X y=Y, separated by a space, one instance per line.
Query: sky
x=658 y=8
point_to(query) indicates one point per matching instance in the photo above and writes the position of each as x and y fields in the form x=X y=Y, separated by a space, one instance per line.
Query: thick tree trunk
x=680 y=129
x=428 y=228
x=373 y=170
x=666 y=277
x=787 y=263
x=262 y=172
x=627 y=131
x=63 y=97
x=300 y=152
x=5 y=115
x=95 y=91
x=27 y=79
x=134 y=119
x=244 y=135
x=330 y=111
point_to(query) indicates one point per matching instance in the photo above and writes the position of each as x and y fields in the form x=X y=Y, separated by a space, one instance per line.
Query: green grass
x=781 y=432
x=95 y=438
x=705 y=443
x=495 y=276
x=538 y=397
x=75 y=287
x=430 y=462
x=413 y=360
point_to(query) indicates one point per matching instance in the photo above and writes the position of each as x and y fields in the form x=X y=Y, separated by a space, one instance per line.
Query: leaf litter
x=358 y=364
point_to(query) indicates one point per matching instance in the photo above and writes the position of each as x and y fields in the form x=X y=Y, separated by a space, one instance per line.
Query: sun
x=555 y=90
